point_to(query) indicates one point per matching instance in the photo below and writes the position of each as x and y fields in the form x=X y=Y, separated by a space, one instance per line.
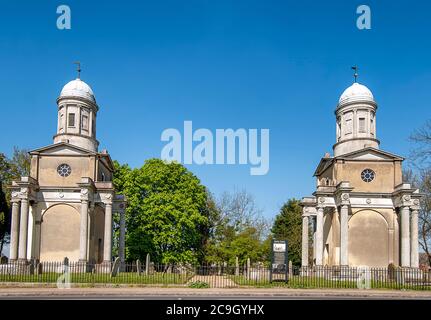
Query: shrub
x=198 y=285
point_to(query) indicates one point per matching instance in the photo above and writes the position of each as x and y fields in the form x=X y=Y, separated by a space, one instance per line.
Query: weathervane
x=78 y=68
x=356 y=73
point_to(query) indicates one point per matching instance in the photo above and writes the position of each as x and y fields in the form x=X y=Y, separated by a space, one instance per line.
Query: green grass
x=299 y=282
x=164 y=279
x=121 y=278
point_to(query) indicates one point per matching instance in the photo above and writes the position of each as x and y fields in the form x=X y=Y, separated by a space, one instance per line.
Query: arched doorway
x=368 y=239
x=60 y=233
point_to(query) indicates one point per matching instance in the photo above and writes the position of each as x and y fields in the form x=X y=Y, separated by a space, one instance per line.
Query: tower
x=355 y=120
x=362 y=211
x=77 y=112
x=65 y=207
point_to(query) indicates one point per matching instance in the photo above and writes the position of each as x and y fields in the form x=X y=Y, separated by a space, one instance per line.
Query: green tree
x=20 y=163
x=166 y=212
x=237 y=230
x=121 y=175
x=246 y=244
x=288 y=226
x=10 y=169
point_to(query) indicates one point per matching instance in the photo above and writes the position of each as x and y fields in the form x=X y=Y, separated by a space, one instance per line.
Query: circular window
x=64 y=170
x=368 y=175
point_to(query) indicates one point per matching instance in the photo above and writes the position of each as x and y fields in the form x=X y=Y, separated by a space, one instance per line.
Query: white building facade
x=65 y=207
x=362 y=213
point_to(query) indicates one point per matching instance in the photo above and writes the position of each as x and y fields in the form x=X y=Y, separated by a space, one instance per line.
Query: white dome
x=78 y=88
x=356 y=92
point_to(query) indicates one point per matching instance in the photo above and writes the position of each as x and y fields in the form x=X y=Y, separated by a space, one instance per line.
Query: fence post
x=248 y=268
x=236 y=266
x=147 y=265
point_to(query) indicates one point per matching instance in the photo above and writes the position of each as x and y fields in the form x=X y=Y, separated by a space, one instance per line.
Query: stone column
x=83 y=231
x=121 y=246
x=305 y=228
x=414 y=249
x=14 y=231
x=107 y=241
x=30 y=233
x=319 y=236
x=405 y=236
x=344 y=235
x=23 y=231
x=36 y=234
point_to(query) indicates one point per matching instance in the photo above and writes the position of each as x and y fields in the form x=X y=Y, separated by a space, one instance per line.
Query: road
x=148 y=293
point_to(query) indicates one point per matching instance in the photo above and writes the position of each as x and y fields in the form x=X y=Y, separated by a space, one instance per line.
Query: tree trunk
x=1 y=245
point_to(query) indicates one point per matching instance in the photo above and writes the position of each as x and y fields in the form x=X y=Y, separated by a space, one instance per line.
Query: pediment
x=62 y=148
x=370 y=154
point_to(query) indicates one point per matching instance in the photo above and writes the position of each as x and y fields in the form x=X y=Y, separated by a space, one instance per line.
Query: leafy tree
x=246 y=244
x=20 y=163
x=166 y=212
x=288 y=226
x=237 y=230
x=10 y=169
x=121 y=174
x=4 y=218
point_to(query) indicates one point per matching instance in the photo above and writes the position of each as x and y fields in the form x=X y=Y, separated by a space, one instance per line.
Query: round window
x=368 y=175
x=64 y=170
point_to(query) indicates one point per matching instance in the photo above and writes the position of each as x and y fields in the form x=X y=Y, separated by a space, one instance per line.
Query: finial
x=78 y=68
x=356 y=73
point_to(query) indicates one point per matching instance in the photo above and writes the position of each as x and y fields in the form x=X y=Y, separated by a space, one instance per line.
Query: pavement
x=153 y=293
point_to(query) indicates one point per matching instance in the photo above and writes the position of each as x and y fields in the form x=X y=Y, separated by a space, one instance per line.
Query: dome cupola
x=356 y=120
x=78 y=88
x=77 y=111
x=356 y=93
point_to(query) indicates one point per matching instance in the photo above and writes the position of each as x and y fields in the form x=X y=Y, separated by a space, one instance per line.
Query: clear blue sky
x=279 y=65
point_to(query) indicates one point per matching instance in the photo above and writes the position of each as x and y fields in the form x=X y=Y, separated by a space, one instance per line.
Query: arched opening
x=97 y=235
x=60 y=234
x=368 y=239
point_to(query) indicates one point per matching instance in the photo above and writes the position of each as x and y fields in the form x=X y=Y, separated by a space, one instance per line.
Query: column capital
x=107 y=198
x=405 y=195
x=320 y=207
x=308 y=211
x=85 y=194
x=416 y=205
x=342 y=192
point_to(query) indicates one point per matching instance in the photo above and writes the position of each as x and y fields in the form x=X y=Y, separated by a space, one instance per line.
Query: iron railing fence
x=215 y=276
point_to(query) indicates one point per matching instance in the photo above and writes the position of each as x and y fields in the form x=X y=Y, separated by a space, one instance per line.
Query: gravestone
x=115 y=267
x=138 y=267
x=151 y=269
x=147 y=264
x=31 y=268
x=39 y=268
